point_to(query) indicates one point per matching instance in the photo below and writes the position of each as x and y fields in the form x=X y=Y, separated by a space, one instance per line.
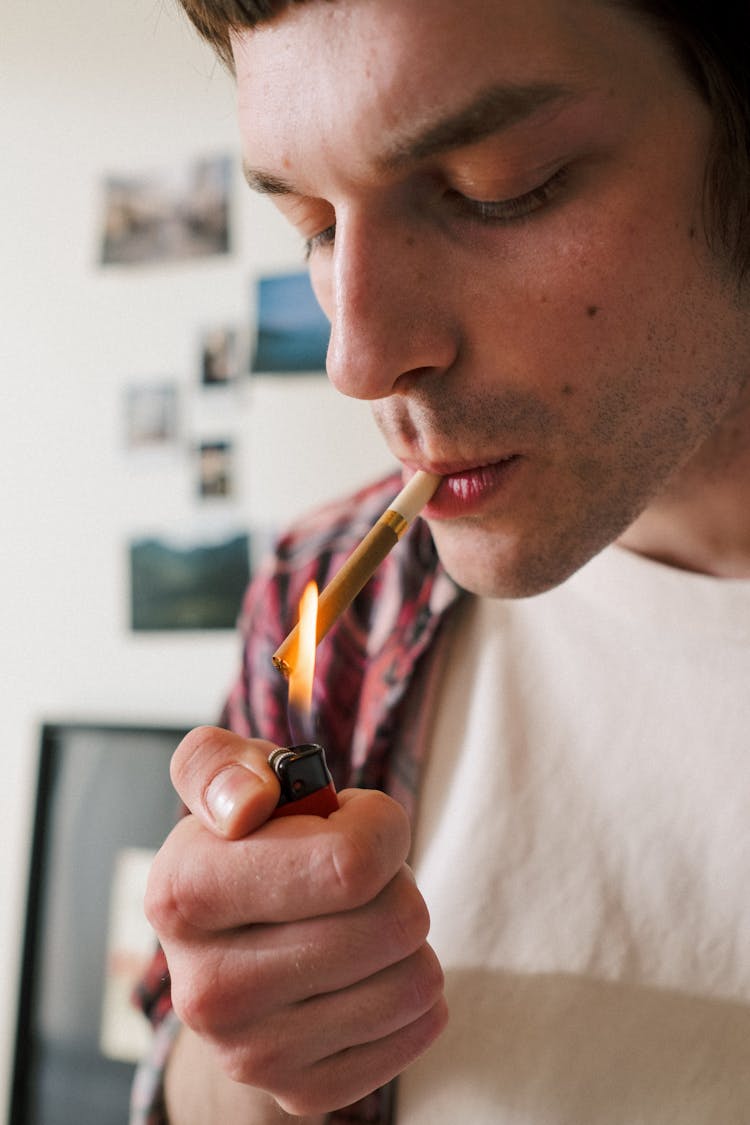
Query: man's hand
x=297 y=947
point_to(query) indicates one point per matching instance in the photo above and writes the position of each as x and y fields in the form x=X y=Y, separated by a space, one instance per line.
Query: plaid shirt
x=369 y=681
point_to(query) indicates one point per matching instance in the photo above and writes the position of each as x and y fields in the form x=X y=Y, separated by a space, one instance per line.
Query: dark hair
x=711 y=39
x=215 y=19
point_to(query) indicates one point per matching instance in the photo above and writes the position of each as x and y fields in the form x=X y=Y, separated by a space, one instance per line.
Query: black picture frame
x=101 y=788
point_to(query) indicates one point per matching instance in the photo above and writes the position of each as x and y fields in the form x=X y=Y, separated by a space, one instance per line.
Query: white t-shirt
x=583 y=844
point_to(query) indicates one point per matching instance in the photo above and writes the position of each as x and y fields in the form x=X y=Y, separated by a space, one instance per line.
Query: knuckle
x=267 y=1059
x=427 y=978
x=174 y=901
x=187 y=1004
x=300 y=1102
x=408 y=916
x=200 y=996
x=192 y=1000
x=364 y=861
x=160 y=901
x=352 y=868
x=255 y=1060
x=393 y=829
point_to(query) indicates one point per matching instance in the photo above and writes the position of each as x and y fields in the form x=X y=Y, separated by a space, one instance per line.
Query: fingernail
x=228 y=791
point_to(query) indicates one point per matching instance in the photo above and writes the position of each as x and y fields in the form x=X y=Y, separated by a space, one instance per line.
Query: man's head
x=504 y=208
x=712 y=41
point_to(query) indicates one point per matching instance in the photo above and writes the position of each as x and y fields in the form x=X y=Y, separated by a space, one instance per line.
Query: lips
x=467 y=490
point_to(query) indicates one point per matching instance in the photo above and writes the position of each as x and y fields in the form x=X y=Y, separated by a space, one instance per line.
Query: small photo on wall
x=168 y=215
x=215 y=469
x=292 y=330
x=150 y=415
x=188 y=584
x=220 y=357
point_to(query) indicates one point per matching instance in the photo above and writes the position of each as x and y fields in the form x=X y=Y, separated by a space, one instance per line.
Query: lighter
x=306 y=783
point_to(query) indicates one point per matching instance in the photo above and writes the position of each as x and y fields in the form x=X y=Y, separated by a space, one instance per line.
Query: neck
x=701 y=522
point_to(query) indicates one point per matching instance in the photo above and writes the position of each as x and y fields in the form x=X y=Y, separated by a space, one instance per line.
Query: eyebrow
x=491 y=111
x=265 y=183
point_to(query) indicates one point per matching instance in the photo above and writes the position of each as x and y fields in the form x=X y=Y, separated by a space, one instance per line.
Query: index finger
x=225 y=780
x=294 y=868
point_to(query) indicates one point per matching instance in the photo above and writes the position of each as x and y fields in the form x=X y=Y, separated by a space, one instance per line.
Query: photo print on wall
x=292 y=331
x=151 y=415
x=188 y=583
x=169 y=215
x=215 y=475
x=220 y=359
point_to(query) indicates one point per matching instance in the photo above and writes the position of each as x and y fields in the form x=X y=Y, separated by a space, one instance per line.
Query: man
x=528 y=222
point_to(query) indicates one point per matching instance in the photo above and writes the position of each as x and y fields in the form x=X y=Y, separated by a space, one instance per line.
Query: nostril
x=409 y=379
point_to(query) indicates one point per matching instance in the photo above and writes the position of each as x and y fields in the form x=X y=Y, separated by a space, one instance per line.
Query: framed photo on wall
x=104 y=805
x=188 y=582
x=292 y=331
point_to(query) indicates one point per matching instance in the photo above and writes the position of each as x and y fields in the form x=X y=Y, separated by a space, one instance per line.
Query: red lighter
x=306 y=783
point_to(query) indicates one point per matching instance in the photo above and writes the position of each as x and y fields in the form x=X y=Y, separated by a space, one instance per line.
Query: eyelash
x=512 y=210
x=479 y=210
x=323 y=238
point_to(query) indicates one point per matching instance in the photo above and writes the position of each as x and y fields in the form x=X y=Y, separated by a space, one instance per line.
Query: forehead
x=379 y=71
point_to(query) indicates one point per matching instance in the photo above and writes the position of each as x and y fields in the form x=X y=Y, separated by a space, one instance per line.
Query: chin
x=497 y=567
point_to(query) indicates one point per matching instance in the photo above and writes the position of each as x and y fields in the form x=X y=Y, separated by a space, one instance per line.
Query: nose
x=391 y=318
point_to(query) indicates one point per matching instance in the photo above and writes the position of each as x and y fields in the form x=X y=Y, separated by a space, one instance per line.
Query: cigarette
x=362 y=563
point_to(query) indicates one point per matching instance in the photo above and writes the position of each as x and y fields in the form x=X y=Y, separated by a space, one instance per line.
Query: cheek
x=547 y=319
x=571 y=309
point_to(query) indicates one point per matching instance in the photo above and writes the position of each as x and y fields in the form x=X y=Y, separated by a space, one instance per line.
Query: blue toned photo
x=292 y=329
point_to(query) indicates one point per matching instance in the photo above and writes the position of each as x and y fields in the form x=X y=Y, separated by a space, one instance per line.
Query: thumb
x=225 y=780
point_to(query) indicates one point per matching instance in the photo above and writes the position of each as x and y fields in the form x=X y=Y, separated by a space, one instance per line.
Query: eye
x=514 y=209
x=324 y=237
x=498 y=211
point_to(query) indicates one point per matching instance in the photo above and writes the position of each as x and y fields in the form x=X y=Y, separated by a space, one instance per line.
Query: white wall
x=89 y=89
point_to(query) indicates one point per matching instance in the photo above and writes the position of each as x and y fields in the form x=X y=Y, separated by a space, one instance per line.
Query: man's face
x=503 y=207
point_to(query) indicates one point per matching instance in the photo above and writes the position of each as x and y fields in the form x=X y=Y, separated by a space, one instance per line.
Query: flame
x=302 y=675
